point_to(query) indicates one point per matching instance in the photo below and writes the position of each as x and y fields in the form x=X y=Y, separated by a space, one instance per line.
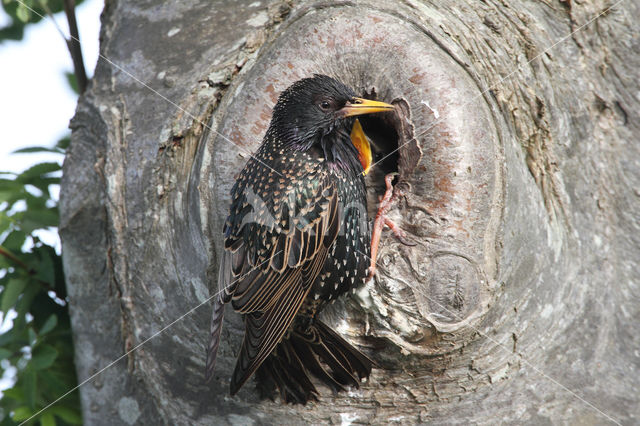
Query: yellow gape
x=361 y=142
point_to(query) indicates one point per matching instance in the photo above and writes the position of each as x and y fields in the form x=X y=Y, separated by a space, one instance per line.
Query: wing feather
x=272 y=257
x=264 y=330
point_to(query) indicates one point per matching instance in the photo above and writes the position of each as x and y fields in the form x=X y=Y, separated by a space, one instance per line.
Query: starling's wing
x=262 y=278
x=264 y=329
x=277 y=225
x=278 y=243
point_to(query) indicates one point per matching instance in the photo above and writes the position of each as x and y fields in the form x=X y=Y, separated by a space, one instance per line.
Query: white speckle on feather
x=173 y=31
x=436 y=114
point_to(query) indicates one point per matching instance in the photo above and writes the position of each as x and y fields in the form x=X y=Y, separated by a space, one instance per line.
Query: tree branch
x=73 y=44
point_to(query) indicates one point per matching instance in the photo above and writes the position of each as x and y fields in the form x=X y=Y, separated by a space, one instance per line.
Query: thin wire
x=45 y=6
x=142 y=83
x=188 y=113
x=163 y=329
x=145 y=85
x=431 y=126
x=503 y=346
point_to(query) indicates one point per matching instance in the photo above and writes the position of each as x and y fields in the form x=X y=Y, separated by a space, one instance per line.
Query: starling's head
x=319 y=111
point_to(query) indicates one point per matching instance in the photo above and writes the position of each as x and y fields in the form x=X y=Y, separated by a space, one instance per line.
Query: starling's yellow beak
x=359 y=106
x=361 y=142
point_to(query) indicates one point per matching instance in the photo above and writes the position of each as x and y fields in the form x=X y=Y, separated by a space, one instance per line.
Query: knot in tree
x=503 y=167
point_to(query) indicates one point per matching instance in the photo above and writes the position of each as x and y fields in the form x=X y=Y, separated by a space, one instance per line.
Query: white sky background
x=36 y=102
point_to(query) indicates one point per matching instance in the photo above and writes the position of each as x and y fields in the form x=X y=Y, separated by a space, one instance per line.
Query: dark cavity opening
x=384 y=141
x=394 y=150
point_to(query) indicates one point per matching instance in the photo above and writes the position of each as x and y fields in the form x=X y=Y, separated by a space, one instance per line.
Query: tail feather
x=214 y=342
x=340 y=368
x=300 y=372
x=225 y=290
x=292 y=379
x=283 y=372
x=317 y=350
x=311 y=361
x=360 y=363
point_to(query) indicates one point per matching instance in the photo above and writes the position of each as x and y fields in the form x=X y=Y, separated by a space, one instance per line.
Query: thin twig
x=73 y=44
x=6 y=253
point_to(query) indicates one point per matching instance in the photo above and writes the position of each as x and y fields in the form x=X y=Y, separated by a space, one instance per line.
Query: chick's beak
x=359 y=106
x=361 y=142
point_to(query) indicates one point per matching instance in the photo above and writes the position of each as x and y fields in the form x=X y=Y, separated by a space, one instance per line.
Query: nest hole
x=384 y=142
x=394 y=149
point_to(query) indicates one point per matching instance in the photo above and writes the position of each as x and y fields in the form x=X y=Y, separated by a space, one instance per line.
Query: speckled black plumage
x=297 y=236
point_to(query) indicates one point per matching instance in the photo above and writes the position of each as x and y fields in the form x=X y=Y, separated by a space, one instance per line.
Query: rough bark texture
x=520 y=176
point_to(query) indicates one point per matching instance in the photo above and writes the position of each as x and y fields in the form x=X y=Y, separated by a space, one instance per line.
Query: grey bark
x=519 y=175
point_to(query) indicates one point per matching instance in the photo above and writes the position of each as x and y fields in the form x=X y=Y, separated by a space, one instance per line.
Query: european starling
x=297 y=237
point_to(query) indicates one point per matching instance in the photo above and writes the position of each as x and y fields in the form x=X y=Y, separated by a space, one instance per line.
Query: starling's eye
x=325 y=105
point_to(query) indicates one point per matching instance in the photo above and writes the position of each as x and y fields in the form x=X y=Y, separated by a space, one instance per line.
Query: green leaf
x=49 y=324
x=32 y=336
x=72 y=81
x=21 y=413
x=34 y=202
x=34 y=149
x=8 y=337
x=11 y=293
x=54 y=381
x=43 y=357
x=9 y=184
x=11 y=197
x=5 y=353
x=15 y=31
x=38 y=170
x=67 y=414
x=46 y=419
x=14 y=241
x=24 y=305
x=29 y=380
x=5 y=221
x=44 y=266
x=14 y=393
x=34 y=218
x=23 y=14
x=63 y=143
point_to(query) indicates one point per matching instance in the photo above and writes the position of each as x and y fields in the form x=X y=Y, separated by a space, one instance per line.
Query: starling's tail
x=214 y=340
x=317 y=350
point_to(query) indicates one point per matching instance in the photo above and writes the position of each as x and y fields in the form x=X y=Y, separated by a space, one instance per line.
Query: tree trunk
x=518 y=155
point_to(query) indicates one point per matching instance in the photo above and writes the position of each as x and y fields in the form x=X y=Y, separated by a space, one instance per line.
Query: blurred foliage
x=39 y=344
x=21 y=14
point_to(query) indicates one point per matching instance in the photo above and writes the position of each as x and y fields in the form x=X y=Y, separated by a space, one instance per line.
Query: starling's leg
x=381 y=219
x=399 y=233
